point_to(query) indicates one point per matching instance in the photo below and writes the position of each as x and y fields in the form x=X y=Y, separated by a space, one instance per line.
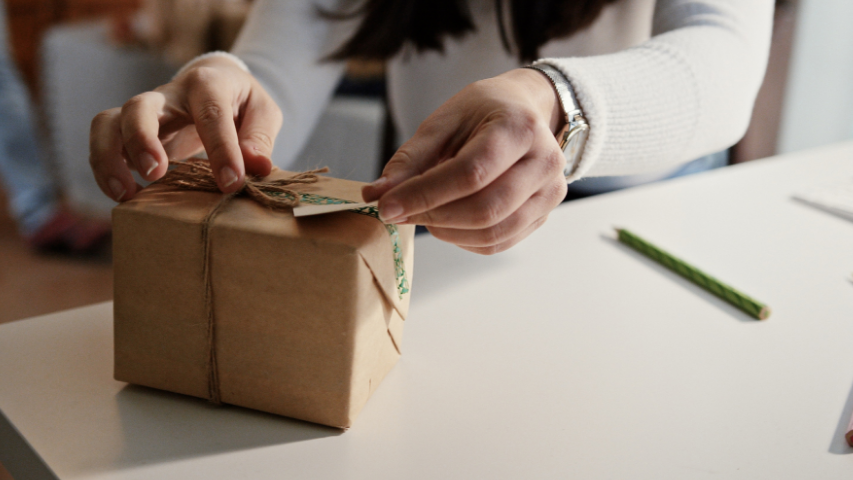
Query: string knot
x=273 y=194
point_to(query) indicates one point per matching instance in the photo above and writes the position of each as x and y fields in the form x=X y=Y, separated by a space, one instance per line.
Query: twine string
x=272 y=194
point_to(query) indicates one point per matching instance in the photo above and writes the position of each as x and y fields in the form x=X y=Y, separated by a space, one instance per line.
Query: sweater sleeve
x=686 y=92
x=283 y=43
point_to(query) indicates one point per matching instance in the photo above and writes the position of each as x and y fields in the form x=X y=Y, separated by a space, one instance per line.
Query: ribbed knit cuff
x=640 y=118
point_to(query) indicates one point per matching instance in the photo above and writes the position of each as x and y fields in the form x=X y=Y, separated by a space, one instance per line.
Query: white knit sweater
x=661 y=83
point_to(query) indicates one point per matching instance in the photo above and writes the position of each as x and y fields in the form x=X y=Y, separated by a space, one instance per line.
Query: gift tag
x=307 y=210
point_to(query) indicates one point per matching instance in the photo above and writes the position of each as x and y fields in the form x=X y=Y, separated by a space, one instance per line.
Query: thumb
x=417 y=155
x=261 y=122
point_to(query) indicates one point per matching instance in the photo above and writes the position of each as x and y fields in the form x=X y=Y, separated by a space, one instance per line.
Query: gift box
x=228 y=299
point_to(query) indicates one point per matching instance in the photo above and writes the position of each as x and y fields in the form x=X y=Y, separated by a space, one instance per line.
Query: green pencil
x=728 y=293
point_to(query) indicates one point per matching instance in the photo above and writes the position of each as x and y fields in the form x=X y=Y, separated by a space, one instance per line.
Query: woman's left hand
x=484 y=170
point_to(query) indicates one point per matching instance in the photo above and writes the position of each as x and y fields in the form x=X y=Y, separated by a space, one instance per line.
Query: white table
x=569 y=356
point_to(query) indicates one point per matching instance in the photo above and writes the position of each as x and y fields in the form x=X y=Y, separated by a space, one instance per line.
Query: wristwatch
x=572 y=137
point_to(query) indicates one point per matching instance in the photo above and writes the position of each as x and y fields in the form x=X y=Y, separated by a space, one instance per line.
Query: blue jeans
x=594 y=185
x=24 y=173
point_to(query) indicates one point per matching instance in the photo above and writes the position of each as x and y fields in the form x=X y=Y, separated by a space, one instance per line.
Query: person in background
x=641 y=87
x=27 y=177
x=180 y=30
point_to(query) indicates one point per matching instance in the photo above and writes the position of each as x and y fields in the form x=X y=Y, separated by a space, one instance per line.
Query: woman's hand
x=214 y=105
x=484 y=170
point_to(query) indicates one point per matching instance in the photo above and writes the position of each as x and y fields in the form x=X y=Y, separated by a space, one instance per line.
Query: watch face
x=574 y=146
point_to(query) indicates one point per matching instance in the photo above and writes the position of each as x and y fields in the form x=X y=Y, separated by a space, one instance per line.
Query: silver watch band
x=565 y=93
x=572 y=137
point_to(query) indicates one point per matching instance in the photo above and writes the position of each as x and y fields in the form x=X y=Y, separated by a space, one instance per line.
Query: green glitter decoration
x=393 y=232
x=726 y=292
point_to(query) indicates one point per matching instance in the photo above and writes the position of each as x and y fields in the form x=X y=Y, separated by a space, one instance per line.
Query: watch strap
x=573 y=116
x=565 y=93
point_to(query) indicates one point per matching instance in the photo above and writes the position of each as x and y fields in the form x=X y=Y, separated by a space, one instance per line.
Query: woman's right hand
x=213 y=105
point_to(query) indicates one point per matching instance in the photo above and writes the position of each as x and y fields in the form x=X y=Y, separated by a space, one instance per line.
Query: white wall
x=818 y=105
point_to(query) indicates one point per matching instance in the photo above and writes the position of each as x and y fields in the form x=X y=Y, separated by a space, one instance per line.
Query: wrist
x=542 y=96
x=575 y=131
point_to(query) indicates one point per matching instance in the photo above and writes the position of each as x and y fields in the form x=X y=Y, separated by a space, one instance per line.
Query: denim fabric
x=24 y=173
x=594 y=185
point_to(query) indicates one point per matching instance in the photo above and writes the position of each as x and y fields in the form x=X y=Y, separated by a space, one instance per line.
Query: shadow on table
x=721 y=304
x=838 y=444
x=449 y=266
x=163 y=426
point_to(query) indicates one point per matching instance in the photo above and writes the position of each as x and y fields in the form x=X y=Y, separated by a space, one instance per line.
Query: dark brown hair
x=388 y=25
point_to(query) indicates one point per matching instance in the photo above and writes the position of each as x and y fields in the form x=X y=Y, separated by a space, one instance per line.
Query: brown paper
x=307 y=312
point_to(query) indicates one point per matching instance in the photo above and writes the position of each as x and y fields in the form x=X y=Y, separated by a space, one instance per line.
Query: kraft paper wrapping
x=308 y=313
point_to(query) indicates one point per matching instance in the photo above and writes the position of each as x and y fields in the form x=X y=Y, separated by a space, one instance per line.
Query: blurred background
x=75 y=58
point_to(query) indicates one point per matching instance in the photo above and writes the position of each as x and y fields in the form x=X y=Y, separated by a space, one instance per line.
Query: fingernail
x=390 y=211
x=147 y=162
x=117 y=188
x=227 y=176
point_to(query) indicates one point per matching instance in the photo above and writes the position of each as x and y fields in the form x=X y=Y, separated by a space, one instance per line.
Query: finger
x=105 y=156
x=426 y=148
x=260 y=124
x=501 y=247
x=496 y=146
x=499 y=199
x=538 y=206
x=183 y=144
x=140 y=128
x=402 y=166
x=210 y=104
